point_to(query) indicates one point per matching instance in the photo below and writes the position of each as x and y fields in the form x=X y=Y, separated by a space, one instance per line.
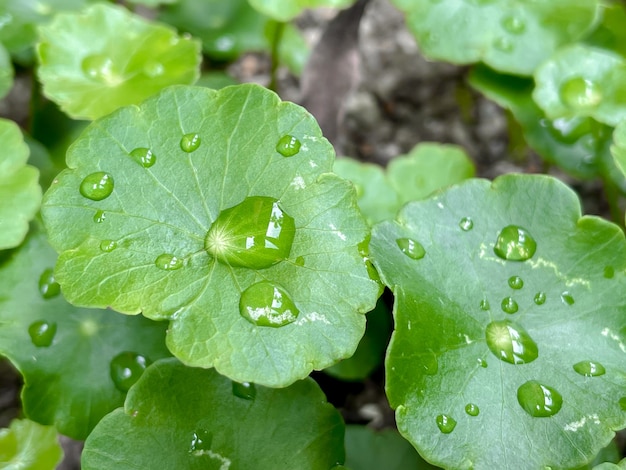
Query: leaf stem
x=276 y=39
x=612 y=195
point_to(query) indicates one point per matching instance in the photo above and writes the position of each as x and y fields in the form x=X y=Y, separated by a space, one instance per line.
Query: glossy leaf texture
x=93 y=62
x=286 y=10
x=179 y=417
x=6 y=72
x=509 y=342
x=77 y=363
x=618 y=149
x=20 y=193
x=583 y=81
x=192 y=181
x=26 y=444
x=509 y=36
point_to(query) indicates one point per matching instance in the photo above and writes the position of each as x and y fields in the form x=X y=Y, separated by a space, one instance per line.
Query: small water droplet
x=254 y=234
x=515 y=244
x=168 y=262
x=503 y=44
x=622 y=403
x=153 y=69
x=190 y=142
x=580 y=93
x=99 y=217
x=481 y=362
x=472 y=409
x=484 y=305
x=567 y=298
x=42 y=333
x=126 y=368
x=97 y=186
x=266 y=304
x=245 y=390
x=411 y=248
x=288 y=146
x=143 y=156
x=446 y=424
x=513 y=24
x=589 y=368
x=48 y=287
x=539 y=400
x=466 y=224
x=509 y=305
x=300 y=261
x=609 y=272
x=540 y=298
x=108 y=245
x=100 y=67
x=510 y=343
x=200 y=441
x=516 y=282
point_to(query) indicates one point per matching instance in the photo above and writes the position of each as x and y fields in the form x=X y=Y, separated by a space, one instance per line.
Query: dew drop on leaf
x=245 y=390
x=513 y=24
x=539 y=400
x=48 y=287
x=472 y=409
x=99 y=67
x=509 y=305
x=466 y=224
x=108 y=245
x=99 y=217
x=515 y=244
x=254 y=234
x=126 y=368
x=200 y=441
x=567 y=298
x=622 y=403
x=503 y=44
x=589 y=368
x=288 y=146
x=153 y=69
x=168 y=262
x=481 y=362
x=484 y=305
x=42 y=333
x=190 y=142
x=143 y=156
x=510 y=343
x=300 y=261
x=266 y=304
x=540 y=298
x=609 y=272
x=97 y=186
x=516 y=282
x=445 y=423
x=580 y=93
x=411 y=248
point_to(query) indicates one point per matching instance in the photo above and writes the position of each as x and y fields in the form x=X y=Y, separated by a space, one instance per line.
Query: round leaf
x=510 y=36
x=493 y=358
x=286 y=10
x=65 y=353
x=179 y=417
x=170 y=262
x=106 y=57
x=20 y=194
x=580 y=81
x=26 y=444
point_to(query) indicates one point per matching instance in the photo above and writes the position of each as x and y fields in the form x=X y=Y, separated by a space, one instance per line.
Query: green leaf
x=486 y=348
x=172 y=166
x=6 y=72
x=26 y=444
x=618 y=149
x=216 y=80
x=510 y=36
x=153 y=3
x=428 y=167
x=20 y=194
x=213 y=423
x=582 y=81
x=66 y=354
x=286 y=10
x=377 y=199
x=610 y=33
x=370 y=450
x=93 y=62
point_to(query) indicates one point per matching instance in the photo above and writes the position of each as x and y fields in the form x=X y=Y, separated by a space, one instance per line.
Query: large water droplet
x=567 y=298
x=411 y=248
x=245 y=390
x=539 y=400
x=466 y=224
x=580 y=93
x=609 y=272
x=48 y=287
x=126 y=368
x=515 y=244
x=540 y=298
x=143 y=156
x=622 y=403
x=108 y=245
x=99 y=217
x=168 y=262
x=190 y=142
x=100 y=67
x=254 y=234
x=516 y=282
x=589 y=368
x=266 y=304
x=200 y=441
x=510 y=343
x=97 y=186
x=446 y=424
x=472 y=409
x=42 y=333
x=509 y=305
x=513 y=24
x=288 y=146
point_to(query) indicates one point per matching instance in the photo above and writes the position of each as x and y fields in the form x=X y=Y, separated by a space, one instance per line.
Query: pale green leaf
x=28 y=445
x=6 y=72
